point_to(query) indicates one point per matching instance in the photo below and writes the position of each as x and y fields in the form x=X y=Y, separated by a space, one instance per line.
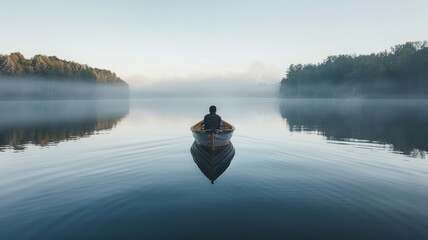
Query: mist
x=13 y=88
x=255 y=80
x=381 y=89
x=205 y=89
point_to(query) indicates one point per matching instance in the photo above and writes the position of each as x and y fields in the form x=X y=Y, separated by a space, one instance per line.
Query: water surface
x=301 y=169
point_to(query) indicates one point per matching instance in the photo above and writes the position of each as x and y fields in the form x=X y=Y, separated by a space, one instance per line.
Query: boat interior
x=198 y=127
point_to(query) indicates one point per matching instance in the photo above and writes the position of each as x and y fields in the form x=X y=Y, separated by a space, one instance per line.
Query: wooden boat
x=212 y=162
x=214 y=138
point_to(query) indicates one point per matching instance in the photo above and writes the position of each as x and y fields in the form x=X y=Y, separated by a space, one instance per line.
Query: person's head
x=213 y=109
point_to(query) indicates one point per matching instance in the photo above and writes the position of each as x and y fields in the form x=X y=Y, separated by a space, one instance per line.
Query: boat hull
x=212 y=139
x=215 y=138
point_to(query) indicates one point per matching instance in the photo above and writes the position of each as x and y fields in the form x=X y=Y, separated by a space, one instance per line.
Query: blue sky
x=150 y=41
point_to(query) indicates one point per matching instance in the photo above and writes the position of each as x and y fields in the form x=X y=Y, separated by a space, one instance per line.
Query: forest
x=48 y=77
x=400 y=72
x=17 y=65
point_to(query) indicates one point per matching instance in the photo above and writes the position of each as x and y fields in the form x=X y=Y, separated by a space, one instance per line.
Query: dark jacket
x=212 y=120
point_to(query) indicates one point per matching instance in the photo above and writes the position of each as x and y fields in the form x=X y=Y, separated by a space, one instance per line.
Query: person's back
x=212 y=120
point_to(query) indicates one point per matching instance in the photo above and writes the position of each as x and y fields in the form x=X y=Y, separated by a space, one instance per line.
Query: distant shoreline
x=358 y=98
x=401 y=72
x=48 y=77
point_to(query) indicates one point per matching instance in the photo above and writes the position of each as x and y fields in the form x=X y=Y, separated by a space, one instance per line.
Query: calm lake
x=302 y=169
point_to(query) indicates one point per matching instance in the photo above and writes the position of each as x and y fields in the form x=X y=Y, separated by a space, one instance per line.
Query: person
x=212 y=120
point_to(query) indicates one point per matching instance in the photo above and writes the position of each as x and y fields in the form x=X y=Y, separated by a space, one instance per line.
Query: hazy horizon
x=152 y=42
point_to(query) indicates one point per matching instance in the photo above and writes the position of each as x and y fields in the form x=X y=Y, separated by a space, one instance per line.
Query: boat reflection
x=212 y=161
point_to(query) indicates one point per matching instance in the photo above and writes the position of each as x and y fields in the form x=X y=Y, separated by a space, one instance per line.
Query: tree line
x=51 y=67
x=401 y=71
x=48 y=77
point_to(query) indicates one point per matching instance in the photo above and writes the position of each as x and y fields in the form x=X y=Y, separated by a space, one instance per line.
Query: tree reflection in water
x=401 y=123
x=50 y=122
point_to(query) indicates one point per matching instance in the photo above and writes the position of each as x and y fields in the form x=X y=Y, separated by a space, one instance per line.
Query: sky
x=152 y=42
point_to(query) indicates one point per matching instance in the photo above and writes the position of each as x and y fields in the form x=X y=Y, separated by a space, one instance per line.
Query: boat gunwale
x=193 y=129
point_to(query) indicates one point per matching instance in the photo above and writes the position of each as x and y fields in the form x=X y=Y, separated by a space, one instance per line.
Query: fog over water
x=36 y=88
x=209 y=89
x=258 y=80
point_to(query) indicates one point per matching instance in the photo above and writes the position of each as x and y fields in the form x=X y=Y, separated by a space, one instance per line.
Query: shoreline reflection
x=43 y=123
x=401 y=123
